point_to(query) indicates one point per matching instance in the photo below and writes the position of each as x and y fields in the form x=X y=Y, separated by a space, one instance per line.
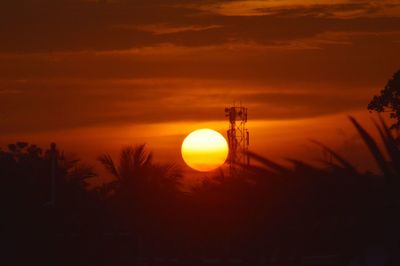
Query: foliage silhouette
x=31 y=223
x=271 y=213
x=389 y=100
x=137 y=172
x=143 y=197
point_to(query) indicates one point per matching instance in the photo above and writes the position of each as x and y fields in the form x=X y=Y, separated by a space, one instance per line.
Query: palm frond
x=108 y=163
x=126 y=162
x=141 y=156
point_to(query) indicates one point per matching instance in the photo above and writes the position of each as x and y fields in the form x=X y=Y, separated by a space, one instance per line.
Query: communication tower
x=238 y=137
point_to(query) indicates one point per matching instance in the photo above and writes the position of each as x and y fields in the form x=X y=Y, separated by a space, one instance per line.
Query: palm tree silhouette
x=137 y=172
x=143 y=195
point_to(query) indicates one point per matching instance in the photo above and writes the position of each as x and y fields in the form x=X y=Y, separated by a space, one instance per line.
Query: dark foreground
x=266 y=214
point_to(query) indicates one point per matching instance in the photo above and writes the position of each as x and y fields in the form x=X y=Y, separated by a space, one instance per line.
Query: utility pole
x=53 y=168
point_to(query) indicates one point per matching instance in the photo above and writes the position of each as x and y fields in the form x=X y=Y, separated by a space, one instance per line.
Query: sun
x=204 y=150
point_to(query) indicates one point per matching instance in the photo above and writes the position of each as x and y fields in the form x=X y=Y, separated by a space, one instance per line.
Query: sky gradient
x=96 y=75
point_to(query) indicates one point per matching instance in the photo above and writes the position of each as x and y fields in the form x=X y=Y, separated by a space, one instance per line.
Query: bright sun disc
x=204 y=150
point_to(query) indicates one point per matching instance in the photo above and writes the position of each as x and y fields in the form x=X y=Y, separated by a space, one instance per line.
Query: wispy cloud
x=10 y=91
x=65 y=104
x=123 y=25
x=332 y=9
x=165 y=28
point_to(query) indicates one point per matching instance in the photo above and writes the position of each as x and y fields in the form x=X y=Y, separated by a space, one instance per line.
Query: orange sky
x=96 y=75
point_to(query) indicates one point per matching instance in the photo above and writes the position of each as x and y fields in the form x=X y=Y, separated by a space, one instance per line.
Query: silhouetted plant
x=275 y=210
x=136 y=171
x=141 y=190
x=389 y=100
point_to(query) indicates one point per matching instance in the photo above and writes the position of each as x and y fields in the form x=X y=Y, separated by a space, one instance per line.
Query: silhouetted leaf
x=108 y=163
x=268 y=163
x=391 y=145
x=374 y=149
x=339 y=158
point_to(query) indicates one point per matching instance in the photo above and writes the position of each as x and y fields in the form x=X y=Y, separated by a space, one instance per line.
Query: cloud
x=53 y=26
x=164 y=28
x=332 y=9
x=337 y=58
x=9 y=91
x=45 y=105
x=82 y=63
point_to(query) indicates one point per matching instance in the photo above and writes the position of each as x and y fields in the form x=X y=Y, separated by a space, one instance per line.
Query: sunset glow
x=199 y=132
x=204 y=150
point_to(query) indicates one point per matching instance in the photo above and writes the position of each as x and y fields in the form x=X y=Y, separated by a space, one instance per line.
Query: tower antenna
x=238 y=137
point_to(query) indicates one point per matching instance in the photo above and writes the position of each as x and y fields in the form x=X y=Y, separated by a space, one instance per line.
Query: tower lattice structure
x=238 y=138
